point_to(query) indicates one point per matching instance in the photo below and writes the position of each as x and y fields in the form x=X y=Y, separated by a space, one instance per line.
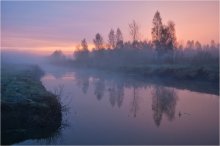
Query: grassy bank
x=202 y=73
x=180 y=72
x=28 y=111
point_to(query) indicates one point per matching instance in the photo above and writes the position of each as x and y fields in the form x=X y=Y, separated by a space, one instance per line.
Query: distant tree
x=98 y=41
x=57 y=56
x=190 y=44
x=170 y=36
x=213 y=44
x=134 y=31
x=82 y=53
x=162 y=44
x=163 y=36
x=157 y=30
x=112 y=38
x=198 y=45
x=119 y=38
x=84 y=45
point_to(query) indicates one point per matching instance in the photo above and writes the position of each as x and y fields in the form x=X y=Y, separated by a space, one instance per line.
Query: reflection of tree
x=164 y=101
x=85 y=85
x=83 y=81
x=112 y=94
x=99 y=88
x=135 y=102
x=120 y=95
x=116 y=94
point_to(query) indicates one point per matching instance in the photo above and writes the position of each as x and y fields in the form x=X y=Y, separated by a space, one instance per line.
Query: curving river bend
x=106 y=108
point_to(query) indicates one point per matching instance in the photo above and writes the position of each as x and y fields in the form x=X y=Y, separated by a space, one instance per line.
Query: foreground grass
x=27 y=109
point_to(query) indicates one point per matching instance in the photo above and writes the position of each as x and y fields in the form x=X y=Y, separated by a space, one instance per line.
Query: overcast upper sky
x=45 y=26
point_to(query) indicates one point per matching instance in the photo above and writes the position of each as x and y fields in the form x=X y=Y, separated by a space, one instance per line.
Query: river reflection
x=163 y=102
x=108 y=108
x=163 y=99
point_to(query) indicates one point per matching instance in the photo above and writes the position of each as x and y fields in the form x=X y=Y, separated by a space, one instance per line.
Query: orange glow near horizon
x=61 y=28
x=67 y=50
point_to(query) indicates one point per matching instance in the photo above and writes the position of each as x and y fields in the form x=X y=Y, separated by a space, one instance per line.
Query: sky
x=44 y=26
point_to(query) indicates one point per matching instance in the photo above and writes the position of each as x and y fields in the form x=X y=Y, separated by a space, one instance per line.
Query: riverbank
x=180 y=72
x=28 y=110
x=190 y=72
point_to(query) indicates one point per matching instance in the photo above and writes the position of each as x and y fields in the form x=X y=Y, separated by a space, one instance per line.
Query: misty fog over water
x=104 y=107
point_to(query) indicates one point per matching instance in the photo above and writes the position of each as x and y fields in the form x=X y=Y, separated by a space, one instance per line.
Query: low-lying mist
x=21 y=57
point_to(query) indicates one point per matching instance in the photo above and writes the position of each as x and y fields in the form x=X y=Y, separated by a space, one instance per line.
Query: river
x=109 y=108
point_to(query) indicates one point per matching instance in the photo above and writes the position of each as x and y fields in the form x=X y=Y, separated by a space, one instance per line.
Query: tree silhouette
x=112 y=39
x=134 y=31
x=198 y=45
x=190 y=44
x=84 y=45
x=163 y=36
x=82 y=52
x=119 y=38
x=157 y=30
x=171 y=36
x=98 y=42
x=57 y=57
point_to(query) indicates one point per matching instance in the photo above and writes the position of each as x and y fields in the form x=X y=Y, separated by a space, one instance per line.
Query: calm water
x=106 y=108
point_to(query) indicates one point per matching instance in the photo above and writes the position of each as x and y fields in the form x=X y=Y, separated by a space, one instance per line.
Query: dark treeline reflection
x=163 y=102
x=164 y=99
x=83 y=82
x=116 y=94
x=99 y=88
x=135 y=102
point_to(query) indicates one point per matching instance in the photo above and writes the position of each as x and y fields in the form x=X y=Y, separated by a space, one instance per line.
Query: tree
x=119 y=38
x=198 y=45
x=112 y=38
x=98 y=41
x=57 y=56
x=213 y=44
x=157 y=30
x=134 y=31
x=190 y=44
x=163 y=39
x=170 y=36
x=82 y=53
x=163 y=36
x=84 y=45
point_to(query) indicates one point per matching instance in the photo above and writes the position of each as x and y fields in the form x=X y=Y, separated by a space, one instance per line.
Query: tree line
x=163 y=48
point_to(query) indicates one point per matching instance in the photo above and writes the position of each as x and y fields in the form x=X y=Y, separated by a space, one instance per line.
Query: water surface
x=107 y=108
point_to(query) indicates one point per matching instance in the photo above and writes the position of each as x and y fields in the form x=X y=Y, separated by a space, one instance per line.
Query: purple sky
x=45 y=26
